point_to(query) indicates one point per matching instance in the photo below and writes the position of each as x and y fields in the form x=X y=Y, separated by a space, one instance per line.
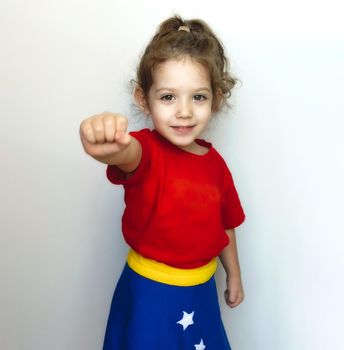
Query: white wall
x=61 y=249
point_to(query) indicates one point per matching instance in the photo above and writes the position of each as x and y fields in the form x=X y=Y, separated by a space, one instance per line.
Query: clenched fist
x=105 y=134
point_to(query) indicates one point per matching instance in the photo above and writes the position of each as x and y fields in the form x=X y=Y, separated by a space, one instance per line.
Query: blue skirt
x=151 y=315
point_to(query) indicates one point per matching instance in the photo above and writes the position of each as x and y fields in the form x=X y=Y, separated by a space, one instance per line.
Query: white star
x=186 y=321
x=200 y=346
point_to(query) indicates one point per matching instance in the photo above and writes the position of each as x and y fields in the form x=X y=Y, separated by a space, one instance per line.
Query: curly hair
x=198 y=42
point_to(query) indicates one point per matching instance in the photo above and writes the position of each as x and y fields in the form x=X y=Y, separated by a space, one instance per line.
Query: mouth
x=182 y=128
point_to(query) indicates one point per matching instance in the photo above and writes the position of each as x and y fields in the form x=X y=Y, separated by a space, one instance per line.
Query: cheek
x=205 y=112
x=162 y=111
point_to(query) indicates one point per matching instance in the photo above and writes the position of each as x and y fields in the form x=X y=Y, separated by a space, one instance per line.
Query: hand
x=234 y=294
x=104 y=134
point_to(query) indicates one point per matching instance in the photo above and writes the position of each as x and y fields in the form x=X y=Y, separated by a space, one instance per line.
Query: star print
x=200 y=346
x=186 y=321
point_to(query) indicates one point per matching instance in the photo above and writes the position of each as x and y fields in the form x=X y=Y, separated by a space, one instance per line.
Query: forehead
x=181 y=72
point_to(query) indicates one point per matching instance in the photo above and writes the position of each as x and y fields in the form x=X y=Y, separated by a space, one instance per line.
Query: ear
x=141 y=100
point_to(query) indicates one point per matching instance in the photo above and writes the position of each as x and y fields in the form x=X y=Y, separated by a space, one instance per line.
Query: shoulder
x=142 y=134
x=219 y=165
x=146 y=134
x=213 y=152
x=151 y=145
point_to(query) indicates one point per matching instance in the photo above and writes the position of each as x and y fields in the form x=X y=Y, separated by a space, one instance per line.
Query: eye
x=167 y=97
x=200 y=97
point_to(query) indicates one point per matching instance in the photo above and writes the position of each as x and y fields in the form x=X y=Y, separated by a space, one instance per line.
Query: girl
x=181 y=203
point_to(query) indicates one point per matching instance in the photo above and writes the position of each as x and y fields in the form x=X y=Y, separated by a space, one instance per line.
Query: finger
x=121 y=126
x=236 y=303
x=233 y=296
x=110 y=128
x=235 y=300
x=232 y=303
x=86 y=132
x=98 y=129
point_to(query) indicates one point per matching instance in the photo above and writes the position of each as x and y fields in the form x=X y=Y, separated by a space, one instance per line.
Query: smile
x=182 y=129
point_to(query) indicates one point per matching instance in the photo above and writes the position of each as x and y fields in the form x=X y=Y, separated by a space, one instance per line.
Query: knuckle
x=122 y=118
x=86 y=130
x=122 y=124
x=109 y=121
x=84 y=126
x=89 y=132
x=97 y=126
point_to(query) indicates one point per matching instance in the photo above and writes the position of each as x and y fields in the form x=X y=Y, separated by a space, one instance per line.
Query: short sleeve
x=232 y=212
x=118 y=177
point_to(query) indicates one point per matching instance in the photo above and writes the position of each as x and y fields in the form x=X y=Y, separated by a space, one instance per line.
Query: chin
x=183 y=143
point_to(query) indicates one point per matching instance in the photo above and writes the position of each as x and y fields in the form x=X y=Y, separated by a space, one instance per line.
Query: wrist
x=233 y=275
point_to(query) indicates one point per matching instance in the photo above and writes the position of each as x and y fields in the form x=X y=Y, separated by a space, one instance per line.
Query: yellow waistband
x=170 y=275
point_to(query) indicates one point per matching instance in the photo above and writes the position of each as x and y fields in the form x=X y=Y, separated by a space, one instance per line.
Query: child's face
x=180 y=101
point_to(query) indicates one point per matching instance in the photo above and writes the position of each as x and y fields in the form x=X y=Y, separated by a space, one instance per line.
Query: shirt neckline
x=181 y=151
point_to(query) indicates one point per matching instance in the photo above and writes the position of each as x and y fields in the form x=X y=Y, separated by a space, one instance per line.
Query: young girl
x=181 y=203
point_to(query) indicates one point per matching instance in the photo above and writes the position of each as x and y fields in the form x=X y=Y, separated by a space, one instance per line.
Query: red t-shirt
x=178 y=204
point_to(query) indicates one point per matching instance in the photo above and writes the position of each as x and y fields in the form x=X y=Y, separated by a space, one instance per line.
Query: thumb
x=122 y=137
x=232 y=296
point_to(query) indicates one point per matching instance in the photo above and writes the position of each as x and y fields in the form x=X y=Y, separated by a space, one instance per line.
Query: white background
x=61 y=249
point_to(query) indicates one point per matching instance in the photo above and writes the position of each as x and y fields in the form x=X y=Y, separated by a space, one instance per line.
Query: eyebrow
x=172 y=89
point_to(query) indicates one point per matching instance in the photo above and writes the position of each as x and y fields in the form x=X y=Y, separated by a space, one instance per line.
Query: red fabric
x=178 y=204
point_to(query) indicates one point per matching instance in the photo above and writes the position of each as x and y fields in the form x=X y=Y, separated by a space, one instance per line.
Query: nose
x=184 y=109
